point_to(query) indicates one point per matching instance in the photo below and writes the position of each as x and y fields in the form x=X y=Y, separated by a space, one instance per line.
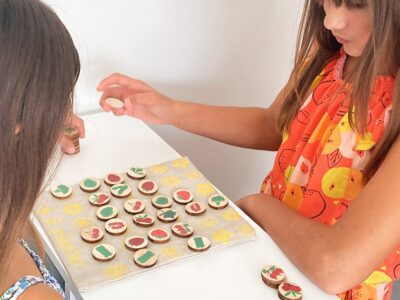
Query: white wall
x=223 y=52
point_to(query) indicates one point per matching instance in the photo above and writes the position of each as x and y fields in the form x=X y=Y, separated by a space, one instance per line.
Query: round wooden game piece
x=115 y=103
x=161 y=201
x=106 y=212
x=147 y=187
x=167 y=215
x=99 y=199
x=183 y=196
x=159 y=235
x=199 y=243
x=135 y=242
x=143 y=220
x=218 y=201
x=134 y=206
x=92 y=234
x=121 y=190
x=104 y=252
x=116 y=226
x=61 y=191
x=290 y=291
x=145 y=258
x=195 y=208
x=273 y=276
x=71 y=132
x=182 y=230
x=113 y=178
x=89 y=185
x=136 y=173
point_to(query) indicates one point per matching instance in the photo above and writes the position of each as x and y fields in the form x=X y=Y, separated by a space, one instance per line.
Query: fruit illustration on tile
x=121 y=190
x=92 y=234
x=144 y=220
x=167 y=215
x=161 y=201
x=135 y=242
x=99 y=199
x=134 y=206
x=195 y=208
x=182 y=230
x=61 y=191
x=182 y=196
x=136 y=173
x=158 y=235
x=218 y=201
x=290 y=291
x=147 y=187
x=113 y=178
x=273 y=276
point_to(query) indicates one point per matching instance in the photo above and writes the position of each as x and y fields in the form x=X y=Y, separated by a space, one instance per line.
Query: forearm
x=310 y=245
x=247 y=127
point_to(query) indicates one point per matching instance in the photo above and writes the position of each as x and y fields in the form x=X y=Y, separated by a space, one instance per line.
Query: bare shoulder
x=39 y=292
x=23 y=265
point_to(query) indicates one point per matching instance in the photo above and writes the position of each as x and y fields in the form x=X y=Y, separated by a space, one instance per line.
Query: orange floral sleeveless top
x=318 y=167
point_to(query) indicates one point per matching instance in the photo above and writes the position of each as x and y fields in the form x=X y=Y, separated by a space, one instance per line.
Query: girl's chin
x=351 y=51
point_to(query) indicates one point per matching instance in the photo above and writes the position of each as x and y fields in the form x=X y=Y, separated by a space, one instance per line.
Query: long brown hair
x=39 y=66
x=316 y=46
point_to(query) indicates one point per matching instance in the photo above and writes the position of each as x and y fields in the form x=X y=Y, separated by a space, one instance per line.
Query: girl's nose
x=334 y=21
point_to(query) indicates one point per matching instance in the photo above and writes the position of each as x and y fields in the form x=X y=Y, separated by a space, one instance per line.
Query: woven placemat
x=63 y=220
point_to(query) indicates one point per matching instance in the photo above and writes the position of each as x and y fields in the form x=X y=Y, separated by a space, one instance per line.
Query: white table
x=229 y=273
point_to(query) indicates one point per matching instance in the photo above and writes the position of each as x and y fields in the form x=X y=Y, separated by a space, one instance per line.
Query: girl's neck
x=349 y=67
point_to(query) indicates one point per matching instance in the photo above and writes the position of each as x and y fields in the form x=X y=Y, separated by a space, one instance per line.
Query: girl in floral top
x=331 y=201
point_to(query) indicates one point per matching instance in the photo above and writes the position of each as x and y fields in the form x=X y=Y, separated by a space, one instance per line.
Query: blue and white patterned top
x=21 y=285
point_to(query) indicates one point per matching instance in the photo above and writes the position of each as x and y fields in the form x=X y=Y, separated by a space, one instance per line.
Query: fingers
x=66 y=145
x=129 y=108
x=113 y=92
x=79 y=124
x=122 y=80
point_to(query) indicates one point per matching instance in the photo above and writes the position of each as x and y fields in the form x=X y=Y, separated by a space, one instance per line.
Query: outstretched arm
x=248 y=127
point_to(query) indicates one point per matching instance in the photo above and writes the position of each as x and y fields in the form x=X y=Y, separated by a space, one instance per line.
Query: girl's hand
x=140 y=100
x=66 y=144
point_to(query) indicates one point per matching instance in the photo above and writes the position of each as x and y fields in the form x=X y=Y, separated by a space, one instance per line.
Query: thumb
x=66 y=145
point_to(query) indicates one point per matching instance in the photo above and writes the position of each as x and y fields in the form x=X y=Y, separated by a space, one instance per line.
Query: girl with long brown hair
x=331 y=201
x=39 y=68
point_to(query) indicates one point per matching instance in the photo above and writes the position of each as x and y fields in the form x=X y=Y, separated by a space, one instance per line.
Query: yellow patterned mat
x=63 y=220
